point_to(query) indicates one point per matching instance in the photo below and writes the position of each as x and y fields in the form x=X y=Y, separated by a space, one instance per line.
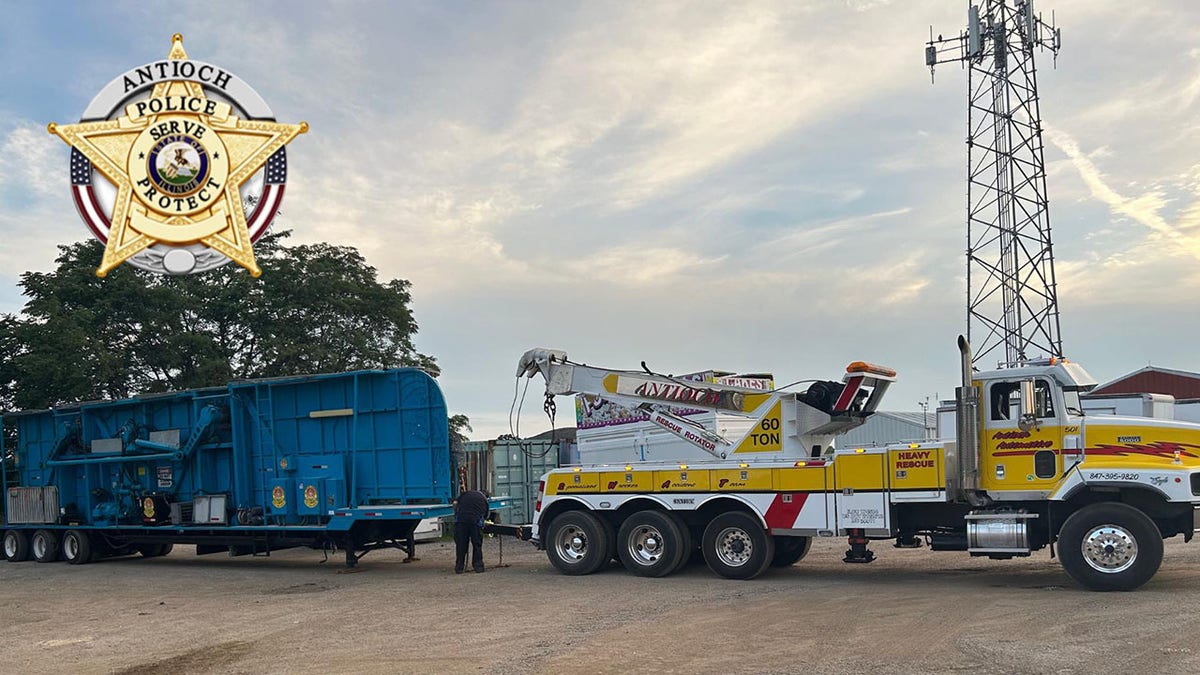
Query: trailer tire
x=1110 y=546
x=578 y=543
x=77 y=547
x=736 y=546
x=44 y=546
x=154 y=550
x=790 y=550
x=650 y=543
x=16 y=546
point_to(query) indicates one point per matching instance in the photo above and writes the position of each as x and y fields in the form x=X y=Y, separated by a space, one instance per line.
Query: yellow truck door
x=1015 y=459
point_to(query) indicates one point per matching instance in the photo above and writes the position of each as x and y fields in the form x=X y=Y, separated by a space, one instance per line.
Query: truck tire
x=610 y=539
x=577 y=543
x=16 y=546
x=44 y=546
x=1110 y=547
x=650 y=544
x=77 y=547
x=736 y=546
x=688 y=546
x=790 y=550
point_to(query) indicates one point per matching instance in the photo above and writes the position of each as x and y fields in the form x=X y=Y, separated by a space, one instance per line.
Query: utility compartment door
x=860 y=482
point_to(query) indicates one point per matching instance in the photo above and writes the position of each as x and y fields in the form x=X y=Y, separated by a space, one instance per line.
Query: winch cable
x=514 y=420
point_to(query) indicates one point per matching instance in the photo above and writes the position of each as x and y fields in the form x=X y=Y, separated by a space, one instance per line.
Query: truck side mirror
x=1028 y=419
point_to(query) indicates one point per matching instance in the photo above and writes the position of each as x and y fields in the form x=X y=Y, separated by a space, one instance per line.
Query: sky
x=748 y=186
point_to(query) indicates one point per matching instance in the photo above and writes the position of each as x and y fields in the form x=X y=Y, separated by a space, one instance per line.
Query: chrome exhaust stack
x=967 y=431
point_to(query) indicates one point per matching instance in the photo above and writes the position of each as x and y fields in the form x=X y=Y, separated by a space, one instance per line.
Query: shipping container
x=519 y=466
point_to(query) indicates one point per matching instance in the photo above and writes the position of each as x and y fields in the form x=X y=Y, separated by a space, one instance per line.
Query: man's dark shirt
x=472 y=507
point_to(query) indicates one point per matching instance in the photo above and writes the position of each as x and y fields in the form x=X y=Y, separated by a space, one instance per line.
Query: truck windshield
x=1071 y=401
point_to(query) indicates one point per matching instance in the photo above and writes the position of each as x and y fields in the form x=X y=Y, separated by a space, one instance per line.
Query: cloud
x=36 y=210
x=1144 y=208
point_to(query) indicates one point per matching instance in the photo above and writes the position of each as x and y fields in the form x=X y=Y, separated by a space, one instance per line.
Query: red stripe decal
x=848 y=393
x=783 y=513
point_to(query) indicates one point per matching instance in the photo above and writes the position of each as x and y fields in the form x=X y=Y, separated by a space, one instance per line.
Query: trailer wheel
x=650 y=544
x=736 y=546
x=790 y=550
x=578 y=543
x=1110 y=547
x=45 y=546
x=16 y=546
x=77 y=547
x=154 y=550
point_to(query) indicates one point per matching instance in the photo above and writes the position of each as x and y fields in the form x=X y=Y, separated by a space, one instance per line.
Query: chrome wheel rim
x=1110 y=549
x=571 y=544
x=645 y=545
x=10 y=545
x=39 y=547
x=70 y=547
x=734 y=546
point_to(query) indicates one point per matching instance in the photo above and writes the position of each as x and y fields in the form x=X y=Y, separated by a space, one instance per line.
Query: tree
x=316 y=308
x=460 y=426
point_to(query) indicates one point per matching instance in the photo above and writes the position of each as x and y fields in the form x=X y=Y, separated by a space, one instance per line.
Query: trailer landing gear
x=858 y=551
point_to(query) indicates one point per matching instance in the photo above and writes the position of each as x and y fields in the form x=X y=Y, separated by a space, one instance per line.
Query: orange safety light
x=870 y=368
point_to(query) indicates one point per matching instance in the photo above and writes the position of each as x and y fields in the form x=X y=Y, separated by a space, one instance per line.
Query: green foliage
x=316 y=308
x=460 y=426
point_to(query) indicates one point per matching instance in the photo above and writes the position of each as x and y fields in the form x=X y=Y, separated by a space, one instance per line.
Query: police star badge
x=168 y=160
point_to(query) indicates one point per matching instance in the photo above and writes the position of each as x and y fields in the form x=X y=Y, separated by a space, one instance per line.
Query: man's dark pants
x=468 y=534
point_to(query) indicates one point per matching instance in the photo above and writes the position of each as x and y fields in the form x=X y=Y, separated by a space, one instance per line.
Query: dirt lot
x=910 y=611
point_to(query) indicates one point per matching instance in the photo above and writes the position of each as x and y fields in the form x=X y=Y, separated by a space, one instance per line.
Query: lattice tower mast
x=1012 y=303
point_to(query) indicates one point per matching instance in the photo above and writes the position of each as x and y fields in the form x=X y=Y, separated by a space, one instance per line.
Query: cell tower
x=1011 y=298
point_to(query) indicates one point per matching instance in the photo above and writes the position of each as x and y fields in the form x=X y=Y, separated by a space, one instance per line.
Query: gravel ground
x=910 y=611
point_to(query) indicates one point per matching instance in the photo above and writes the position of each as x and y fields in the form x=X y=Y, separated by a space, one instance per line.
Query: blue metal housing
x=350 y=460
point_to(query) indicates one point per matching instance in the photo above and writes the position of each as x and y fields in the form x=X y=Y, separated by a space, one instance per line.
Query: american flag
x=85 y=197
x=272 y=195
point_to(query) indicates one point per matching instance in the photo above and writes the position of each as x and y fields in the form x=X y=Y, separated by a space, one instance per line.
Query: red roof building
x=1154 y=380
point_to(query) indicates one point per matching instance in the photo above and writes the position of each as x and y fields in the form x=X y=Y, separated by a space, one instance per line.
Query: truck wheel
x=688 y=546
x=16 y=546
x=650 y=544
x=77 y=547
x=578 y=543
x=736 y=546
x=790 y=550
x=610 y=539
x=45 y=546
x=1110 y=547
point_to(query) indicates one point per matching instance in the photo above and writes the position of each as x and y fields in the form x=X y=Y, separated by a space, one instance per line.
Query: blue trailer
x=347 y=462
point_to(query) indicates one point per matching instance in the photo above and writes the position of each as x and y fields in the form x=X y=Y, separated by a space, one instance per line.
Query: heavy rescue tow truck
x=1026 y=470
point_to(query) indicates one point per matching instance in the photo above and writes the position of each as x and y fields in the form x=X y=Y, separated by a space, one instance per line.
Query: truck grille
x=1196 y=484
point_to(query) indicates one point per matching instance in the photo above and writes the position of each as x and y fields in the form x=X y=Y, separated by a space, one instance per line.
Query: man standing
x=469 y=512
